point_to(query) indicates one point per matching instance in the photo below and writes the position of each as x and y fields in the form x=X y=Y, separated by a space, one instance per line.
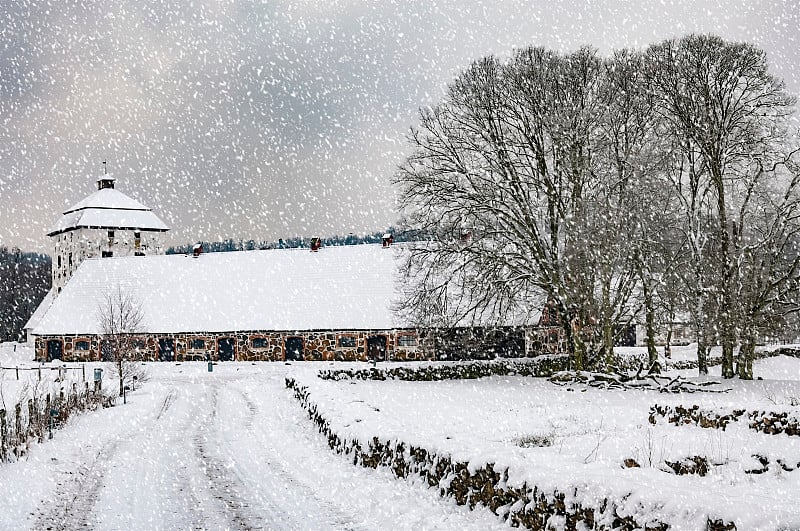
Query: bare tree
x=635 y=205
x=729 y=112
x=769 y=263
x=120 y=317
x=502 y=181
x=610 y=188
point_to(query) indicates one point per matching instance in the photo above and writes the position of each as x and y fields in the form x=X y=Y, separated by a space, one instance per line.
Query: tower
x=105 y=224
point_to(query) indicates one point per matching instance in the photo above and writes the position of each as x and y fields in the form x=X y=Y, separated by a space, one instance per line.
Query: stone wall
x=248 y=346
x=325 y=345
x=768 y=422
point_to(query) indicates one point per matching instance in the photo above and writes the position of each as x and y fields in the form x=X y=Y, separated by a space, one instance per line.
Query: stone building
x=281 y=304
x=105 y=224
x=335 y=303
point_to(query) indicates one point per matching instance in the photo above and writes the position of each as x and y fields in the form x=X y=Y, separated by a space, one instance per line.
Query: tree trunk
x=650 y=325
x=746 y=353
x=579 y=352
x=728 y=347
x=608 y=329
x=120 y=373
x=702 y=354
x=668 y=345
x=578 y=344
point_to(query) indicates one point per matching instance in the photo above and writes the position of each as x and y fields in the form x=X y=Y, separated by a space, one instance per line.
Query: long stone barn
x=280 y=304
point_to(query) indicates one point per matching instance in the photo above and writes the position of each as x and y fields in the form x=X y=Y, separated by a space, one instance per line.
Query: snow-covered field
x=559 y=437
x=233 y=449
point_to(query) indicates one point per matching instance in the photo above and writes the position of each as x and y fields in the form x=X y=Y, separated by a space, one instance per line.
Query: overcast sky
x=246 y=119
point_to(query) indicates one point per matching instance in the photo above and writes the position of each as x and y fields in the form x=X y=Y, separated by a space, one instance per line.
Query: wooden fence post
x=3 y=437
x=41 y=417
x=31 y=419
x=63 y=413
x=18 y=423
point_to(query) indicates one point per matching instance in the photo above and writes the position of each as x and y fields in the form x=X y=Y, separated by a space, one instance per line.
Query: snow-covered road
x=223 y=450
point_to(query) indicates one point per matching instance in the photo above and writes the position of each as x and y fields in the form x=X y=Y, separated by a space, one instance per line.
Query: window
x=197 y=344
x=138 y=344
x=259 y=342
x=346 y=342
x=82 y=345
x=70 y=260
x=407 y=340
x=107 y=254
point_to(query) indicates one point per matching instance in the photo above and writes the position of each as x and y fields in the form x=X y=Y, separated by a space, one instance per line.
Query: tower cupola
x=105 y=182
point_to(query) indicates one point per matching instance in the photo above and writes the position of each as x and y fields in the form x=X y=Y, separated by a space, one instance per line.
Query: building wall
x=682 y=334
x=248 y=346
x=73 y=247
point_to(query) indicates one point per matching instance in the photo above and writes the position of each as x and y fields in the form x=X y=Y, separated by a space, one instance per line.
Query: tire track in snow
x=331 y=513
x=226 y=488
x=168 y=401
x=196 y=516
x=75 y=497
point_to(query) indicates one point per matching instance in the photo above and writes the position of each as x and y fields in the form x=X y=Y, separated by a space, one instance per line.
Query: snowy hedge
x=540 y=366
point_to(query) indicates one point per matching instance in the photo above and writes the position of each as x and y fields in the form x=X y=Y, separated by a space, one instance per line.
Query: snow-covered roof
x=348 y=287
x=107 y=198
x=40 y=310
x=108 y=209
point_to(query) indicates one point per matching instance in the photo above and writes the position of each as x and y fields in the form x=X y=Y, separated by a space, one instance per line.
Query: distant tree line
x=636 y=187
x=25 y=279
x=399 y=235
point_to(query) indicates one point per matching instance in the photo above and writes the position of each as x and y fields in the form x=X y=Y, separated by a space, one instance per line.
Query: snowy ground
x=226 y=450
x=233 y=449
x=561 y=437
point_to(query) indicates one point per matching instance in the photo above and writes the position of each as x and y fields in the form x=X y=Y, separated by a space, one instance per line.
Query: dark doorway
x=166 y=349
x=55 y=349
x=226 y=348
x=294 y=348
x=376 y=348
x=106 y=352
